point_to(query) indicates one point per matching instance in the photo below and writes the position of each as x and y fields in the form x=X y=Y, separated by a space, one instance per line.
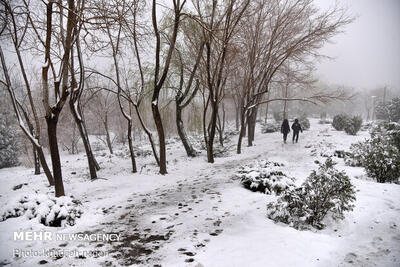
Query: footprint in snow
x=216 y=232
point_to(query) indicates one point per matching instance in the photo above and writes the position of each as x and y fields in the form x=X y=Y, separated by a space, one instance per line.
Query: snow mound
x=264 y=176
x=47 y=210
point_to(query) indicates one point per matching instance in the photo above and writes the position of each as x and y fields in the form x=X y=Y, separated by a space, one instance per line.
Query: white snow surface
x=197 y=215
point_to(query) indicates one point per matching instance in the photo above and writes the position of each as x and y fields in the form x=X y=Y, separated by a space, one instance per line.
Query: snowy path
x=191 y=212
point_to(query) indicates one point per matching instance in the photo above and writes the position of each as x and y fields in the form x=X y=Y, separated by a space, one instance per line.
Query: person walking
x=285 y=129
x=296 y=127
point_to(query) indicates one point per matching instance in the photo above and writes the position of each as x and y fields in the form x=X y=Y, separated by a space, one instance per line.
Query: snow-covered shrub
x=393 y=130
x=356 y=157
x=382 y=159
x=340 y=121
x=269 y=128
x=8 y=146
x=341 y=154
x=230 y=130
x=140 y=152
x=264 y=176
x=47 y=210
x=325 y=192
x=379 y=155
x=304 y=122
x=366 y=126
x=221 y=151
x=228 y=134
x=197 y=142
x=389 y=111
x=353 y=125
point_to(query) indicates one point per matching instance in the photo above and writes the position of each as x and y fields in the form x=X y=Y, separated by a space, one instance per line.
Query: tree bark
x=182 y=133
x=92 y=163
x=251 y=124
x=34 y=148
x=211 y=137
x=237 y=114
x=55 y=154
x=241 y=133
x=133 y=160
x=221 y=125
x=161 y=137
x=108 y=139
x=148 y=133
x=36 y=160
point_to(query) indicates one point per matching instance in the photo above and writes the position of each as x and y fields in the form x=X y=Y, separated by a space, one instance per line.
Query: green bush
x=353 y=125
x=340 y=121
x=356 y=157
x=379 y=155
x=325 y=192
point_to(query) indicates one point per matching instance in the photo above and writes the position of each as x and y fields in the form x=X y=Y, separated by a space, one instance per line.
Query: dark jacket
x=285 y=128
x=296 y=127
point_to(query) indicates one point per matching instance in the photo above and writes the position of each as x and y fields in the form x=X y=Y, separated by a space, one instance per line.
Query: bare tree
x=161 y=75
x=61 y=87
x=186 y=92
x=283 y=31
x=219 y=21
x=17 y=33
x=102 y=106
x=75 y=105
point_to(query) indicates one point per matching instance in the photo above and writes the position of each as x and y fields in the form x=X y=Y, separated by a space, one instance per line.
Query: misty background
x=367 y=54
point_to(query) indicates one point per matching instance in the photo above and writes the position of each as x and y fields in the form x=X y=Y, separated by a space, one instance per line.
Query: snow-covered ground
x=197 y=215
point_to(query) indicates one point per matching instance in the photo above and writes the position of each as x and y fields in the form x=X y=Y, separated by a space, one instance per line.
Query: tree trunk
x=45 y=167
x=266 y=109
x=34 y=149
x=285 y=102
x=161 y=137
x=182 y=133
x=221 y=125
x=237 y=116
x=133 y=160
x=74 y=149
x=251 y=124
x=108 y=139
x=36 y=160
x=148 y=133
x=55 y=154
x=285 y=113
x=213 y=124
x=92 y=163
x=241 y=133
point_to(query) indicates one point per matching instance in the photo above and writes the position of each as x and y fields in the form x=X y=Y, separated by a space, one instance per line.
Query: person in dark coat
x=285 y=129
x=296 y=127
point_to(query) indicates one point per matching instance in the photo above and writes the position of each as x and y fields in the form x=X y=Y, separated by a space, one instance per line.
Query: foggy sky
x=367 y=55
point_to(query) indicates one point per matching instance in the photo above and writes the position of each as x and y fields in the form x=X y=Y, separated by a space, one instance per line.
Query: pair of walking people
x=285 y=130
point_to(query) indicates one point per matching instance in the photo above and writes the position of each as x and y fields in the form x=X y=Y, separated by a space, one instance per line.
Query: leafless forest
x=134 y=70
